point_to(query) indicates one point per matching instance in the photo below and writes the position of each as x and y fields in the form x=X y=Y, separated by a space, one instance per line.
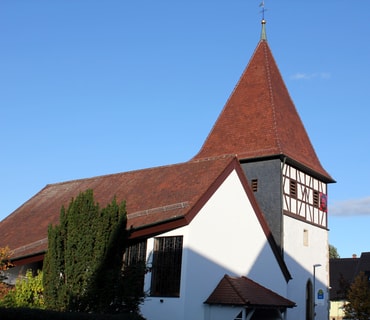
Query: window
x=305 y=237
x=135 y=253
x=293 y=188
x=134 y=266
x=316 y=199
x=254 y=185
x=166 y=271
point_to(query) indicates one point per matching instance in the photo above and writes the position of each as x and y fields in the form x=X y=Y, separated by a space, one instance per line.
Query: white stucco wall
x=224 y=238
x=301 y=255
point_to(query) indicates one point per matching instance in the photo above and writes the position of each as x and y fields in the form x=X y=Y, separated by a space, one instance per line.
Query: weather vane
x=263 y=22
x=262 y=5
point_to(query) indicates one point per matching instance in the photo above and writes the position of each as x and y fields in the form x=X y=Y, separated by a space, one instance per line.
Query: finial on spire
x=263 y=21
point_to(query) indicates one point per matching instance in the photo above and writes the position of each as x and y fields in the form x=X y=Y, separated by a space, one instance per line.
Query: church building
x=238 y=232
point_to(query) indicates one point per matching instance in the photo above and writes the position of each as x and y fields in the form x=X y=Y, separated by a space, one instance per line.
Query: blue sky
x=96 y=87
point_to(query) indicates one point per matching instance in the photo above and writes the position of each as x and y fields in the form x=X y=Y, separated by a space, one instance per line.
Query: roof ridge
x=271 y=95
x=228 y=279
x=228 y=100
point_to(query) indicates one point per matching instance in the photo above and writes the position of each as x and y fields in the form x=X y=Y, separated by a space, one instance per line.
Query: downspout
x=282 y=206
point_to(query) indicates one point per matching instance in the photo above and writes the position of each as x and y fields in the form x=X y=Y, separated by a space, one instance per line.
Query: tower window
x=254 y=185
x=293 y=188
x=305 y=237
x=316 y=199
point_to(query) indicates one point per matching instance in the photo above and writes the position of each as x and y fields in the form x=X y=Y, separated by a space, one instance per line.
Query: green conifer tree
x=82 y=268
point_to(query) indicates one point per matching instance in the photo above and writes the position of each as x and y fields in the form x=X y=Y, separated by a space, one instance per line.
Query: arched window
x=309 y=301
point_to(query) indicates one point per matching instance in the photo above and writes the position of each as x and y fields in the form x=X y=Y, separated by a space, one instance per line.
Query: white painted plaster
x=300 y=259
x=224 y=238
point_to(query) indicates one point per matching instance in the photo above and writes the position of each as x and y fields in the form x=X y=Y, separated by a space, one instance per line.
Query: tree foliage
x=83 y=265
x=333 y=252
x=358 y=306
x=5 y=255
x=5 y=264
x=344 y=286
x=28 y=293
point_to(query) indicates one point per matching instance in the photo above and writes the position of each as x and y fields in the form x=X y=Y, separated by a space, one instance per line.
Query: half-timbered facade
x=304 y=197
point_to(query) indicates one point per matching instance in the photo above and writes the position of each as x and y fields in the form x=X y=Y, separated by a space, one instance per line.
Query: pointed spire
x=259 y=120
x=263 y=31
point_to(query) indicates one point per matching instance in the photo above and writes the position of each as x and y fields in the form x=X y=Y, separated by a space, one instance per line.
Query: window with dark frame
x=134 y=264
x=316 y=199
x=293 y=188
x=166 y=270
x=134 y=253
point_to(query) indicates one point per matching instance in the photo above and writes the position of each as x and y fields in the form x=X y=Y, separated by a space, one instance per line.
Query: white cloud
x=308 y=76
x=300 y=76
x=325 y=75
x=351 y=207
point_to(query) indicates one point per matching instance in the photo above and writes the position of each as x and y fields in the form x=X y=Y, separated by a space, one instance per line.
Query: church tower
x=261 y=126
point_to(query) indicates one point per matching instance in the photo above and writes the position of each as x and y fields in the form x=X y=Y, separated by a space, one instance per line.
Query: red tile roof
x=260 y=119
x=167 y=194
x=245 y=292
x=157 y=200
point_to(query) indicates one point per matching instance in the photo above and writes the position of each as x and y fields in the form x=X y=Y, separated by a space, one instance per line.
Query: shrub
x=28 y=292
x=34 y=314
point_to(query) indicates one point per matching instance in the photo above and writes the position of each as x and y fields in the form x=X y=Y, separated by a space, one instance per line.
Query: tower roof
x=260 y=120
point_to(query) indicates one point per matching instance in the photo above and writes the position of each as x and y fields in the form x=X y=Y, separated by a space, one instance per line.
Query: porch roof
x=243 y=291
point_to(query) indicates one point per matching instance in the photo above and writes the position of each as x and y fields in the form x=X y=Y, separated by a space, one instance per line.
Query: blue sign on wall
x=320 y=294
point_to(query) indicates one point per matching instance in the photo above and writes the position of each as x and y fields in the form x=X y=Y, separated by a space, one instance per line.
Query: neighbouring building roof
x=260 y=120
x=243 y=291
x=343 y=271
